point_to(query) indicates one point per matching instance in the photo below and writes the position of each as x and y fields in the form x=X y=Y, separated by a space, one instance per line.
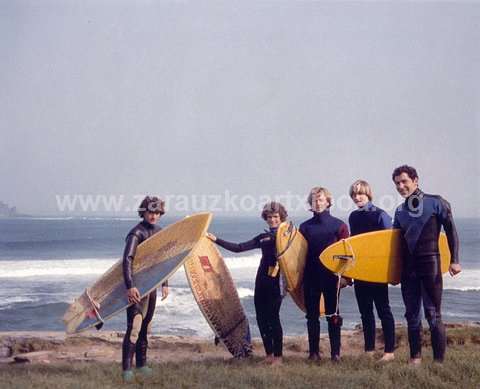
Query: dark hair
x=274 y=207
x=410 y=170
x=151 y=204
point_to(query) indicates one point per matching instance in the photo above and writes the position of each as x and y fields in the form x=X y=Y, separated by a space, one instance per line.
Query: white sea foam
x=242 y=262
x=245 y=292
x=467 y=280
x=241 y=266
x=87 y=266
x=54 y=267
x=7 y=301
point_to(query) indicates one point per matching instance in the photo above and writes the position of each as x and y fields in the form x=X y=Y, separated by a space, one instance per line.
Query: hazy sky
x=265 y=97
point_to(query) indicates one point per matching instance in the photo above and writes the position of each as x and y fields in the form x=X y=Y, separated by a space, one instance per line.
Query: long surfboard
x=374 y=256
x=155 y=261
x=216 y=294
x=292 y=256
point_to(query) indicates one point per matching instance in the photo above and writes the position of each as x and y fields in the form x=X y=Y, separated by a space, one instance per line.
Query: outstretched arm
x=235 y=247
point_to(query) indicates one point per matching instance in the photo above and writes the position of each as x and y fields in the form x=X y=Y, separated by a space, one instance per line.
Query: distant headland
x=6 y=211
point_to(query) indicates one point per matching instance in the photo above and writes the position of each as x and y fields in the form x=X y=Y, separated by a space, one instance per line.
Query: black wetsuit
x=420 y=219
x=267 y=297
x=367 y=219
x=145 y=308
x=320 y=232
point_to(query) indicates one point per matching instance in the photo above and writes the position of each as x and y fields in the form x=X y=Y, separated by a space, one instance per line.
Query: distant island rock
x=7 y=211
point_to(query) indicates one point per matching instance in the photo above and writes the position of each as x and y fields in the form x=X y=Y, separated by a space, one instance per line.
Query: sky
x=255 y=98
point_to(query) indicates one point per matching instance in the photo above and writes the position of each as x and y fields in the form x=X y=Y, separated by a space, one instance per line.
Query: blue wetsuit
x=420 y=219
x=320 y=232
x=367 y=219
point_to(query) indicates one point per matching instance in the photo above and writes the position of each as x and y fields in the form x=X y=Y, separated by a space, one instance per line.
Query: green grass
x=461 y=370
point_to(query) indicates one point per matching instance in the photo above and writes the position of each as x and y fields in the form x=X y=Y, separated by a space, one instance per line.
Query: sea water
x=46 y=262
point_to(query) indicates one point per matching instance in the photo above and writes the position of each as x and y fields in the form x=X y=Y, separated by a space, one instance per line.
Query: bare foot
x=415 y=361
x=268 y=360
x=277 y=361
x=387 y=357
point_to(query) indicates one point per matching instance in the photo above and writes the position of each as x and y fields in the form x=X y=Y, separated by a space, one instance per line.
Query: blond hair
x=361 y=187
x=317 y=190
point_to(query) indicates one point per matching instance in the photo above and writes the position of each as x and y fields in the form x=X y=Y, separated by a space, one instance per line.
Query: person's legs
x=262 y=309
x=380 y=296
x=142 y=342
x=312 y=305
x=432 y=300
x=334 y=319
x=276 y=325
x=364 y=298
x=412 y=298
x=134 y=324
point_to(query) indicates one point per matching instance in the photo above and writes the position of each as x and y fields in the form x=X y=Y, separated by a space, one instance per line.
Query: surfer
x=320 y=232
x=267 y=296
x=140 y=313
x=420 y=219
x=368 y=218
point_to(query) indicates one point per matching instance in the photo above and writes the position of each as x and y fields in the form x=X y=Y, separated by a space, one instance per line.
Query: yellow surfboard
x=292 y=255
x=374 y=256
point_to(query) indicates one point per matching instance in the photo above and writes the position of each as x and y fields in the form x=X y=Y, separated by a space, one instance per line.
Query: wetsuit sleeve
x=350 y=222
x=385 y=221
x=446 y=218
x=396 y=222
x=342 y=232
x=302 y=229
x=128 y=255
x=239 y=247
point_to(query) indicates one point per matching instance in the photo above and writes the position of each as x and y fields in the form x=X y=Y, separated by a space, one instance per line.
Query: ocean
x=46 y=262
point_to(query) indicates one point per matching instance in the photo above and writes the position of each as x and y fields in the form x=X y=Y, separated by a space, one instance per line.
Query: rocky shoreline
x=103 y=347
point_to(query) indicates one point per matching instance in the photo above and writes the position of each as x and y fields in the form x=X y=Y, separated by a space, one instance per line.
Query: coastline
x=50 y=347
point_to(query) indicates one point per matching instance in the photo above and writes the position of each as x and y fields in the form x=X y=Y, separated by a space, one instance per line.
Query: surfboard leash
x=274 y=269
x=95 y=307
x=290 y=239
x=349 y=261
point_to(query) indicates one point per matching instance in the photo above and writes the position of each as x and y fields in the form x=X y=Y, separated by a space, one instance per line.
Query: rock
x=36 y=356
x=5 y=352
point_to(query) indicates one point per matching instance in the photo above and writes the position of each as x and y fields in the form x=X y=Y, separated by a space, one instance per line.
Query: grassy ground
x=460 y=370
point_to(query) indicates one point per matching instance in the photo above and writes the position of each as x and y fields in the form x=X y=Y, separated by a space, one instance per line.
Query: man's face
x=273 y=220
x=405 y=185
x=360 y=199
x=151 y=217
x=319 y=202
